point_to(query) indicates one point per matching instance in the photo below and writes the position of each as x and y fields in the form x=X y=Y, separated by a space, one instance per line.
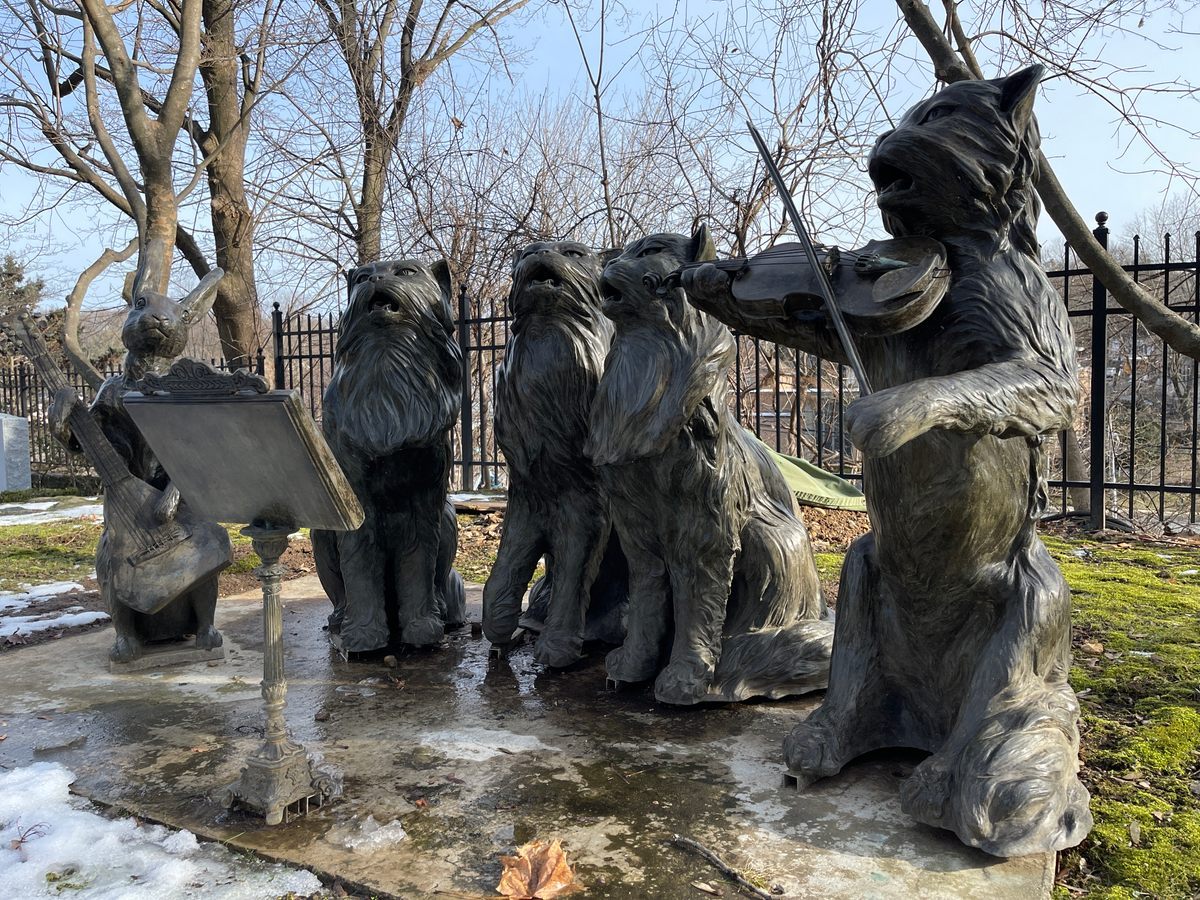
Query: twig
x=730 y=872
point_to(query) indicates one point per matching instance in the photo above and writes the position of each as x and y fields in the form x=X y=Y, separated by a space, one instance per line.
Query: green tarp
x=813 y=486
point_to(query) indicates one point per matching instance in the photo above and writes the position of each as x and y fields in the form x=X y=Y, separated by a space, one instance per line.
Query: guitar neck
x=96 y=445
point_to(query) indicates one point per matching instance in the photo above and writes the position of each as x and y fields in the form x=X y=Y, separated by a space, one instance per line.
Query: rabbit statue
x=154 y=334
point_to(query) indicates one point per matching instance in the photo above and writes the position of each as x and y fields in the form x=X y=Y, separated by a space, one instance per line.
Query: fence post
x=277 y=334
x=1098 y=467
x=468 y=437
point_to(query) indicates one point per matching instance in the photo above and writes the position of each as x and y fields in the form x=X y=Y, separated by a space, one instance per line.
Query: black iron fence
x=1133 y=451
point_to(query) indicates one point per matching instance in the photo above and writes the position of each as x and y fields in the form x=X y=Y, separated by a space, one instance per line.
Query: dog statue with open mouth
x=556 y=506
x=387 y=414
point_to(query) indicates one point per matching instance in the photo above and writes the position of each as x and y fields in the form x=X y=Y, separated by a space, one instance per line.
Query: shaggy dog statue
x=387 y=415
x=953 y=621
x=544 y=392
x=724 y=599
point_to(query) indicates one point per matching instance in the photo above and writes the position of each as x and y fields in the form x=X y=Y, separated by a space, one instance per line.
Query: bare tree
x=390 y=49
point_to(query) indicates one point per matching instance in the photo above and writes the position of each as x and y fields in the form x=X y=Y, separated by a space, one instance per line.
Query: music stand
x=239 y=452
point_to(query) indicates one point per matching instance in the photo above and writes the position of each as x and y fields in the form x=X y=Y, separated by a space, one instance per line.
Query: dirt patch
x=240 y=578
x=833 y=530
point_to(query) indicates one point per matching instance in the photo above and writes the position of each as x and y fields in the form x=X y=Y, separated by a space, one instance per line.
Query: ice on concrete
x=479 y=744
x=55 y=845
x=371 y=836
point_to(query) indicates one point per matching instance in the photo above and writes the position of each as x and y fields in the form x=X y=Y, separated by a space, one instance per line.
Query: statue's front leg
x=1016 y=398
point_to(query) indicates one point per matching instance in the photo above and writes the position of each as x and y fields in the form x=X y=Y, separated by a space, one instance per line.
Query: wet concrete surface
x=475 y=758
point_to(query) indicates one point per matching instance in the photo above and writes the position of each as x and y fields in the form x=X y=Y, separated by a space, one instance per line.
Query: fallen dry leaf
x=706 y=887
x=539 y=871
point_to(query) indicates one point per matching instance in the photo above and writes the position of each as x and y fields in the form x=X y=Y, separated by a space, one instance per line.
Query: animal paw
x=879 y=424
x=208 y=638
x=683 y=683
x=623 y=665
x=558 y=650
x=125 y=649
x=423 y=632
x=812 y=751
x=923 y=794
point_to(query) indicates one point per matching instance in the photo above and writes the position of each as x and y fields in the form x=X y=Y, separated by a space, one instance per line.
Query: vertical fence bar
x=1099 y=369
x=464 y=345
x=1133 y=382
x=277 y=343
x=1195 y=382
x=1166 y=358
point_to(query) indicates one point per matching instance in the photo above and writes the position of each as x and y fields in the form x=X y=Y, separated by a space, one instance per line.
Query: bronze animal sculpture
x=387 y=414
x=724 y=599
x=556 y=506
x=154 y=333
x=953 y=626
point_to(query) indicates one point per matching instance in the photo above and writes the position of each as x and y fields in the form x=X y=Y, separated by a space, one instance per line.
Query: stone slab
x=15 y=469
x=174 y=654
x=474 y=757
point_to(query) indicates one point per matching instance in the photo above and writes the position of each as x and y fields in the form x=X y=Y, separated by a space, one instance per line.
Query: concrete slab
x=176 y=653
x=474 y=760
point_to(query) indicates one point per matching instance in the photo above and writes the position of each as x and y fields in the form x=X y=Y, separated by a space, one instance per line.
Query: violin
x=884 y=287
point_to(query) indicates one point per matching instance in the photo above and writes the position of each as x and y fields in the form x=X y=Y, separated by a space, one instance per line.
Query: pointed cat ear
x=1017 y=93
x=702 y=247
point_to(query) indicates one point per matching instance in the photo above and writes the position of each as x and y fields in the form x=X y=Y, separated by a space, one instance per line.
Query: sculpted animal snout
x=384 y=301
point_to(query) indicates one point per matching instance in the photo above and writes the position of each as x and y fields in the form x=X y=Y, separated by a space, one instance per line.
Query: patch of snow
x=12 y=600
x=87 y=511
x=1190 y=572
x=70 y=617
x=41 y=504
x=53 y=589
x=74 y=851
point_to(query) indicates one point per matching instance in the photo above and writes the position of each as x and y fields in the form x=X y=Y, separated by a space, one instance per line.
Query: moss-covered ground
x=1137 y=671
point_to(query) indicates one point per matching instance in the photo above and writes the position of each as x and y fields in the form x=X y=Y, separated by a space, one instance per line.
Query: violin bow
x=810 y=252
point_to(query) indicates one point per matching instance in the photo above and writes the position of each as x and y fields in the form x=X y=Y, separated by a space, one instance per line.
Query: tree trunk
x=376 y=159
x=236 y=305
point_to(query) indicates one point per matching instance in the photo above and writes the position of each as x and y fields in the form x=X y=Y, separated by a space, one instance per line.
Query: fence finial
x=1101 y=218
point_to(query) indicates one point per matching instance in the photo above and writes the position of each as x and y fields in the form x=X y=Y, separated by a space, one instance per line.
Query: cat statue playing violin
x=953 y=621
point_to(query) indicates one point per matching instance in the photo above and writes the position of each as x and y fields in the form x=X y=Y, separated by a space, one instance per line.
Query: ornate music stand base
x=281 y=789
x=279 y=777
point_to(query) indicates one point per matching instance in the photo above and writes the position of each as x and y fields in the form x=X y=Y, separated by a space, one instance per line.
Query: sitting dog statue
x=556 y=507
x=954 y=622
x=387 y=414
x=724 y=598
x=154 y=334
